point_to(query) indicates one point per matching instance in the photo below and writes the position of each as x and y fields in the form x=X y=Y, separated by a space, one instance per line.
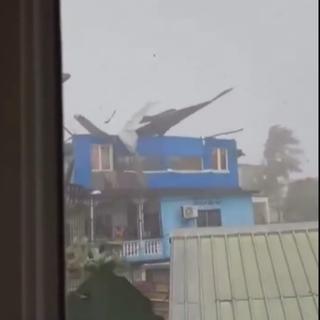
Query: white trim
x=260 y=199
x=178 y=171
x=264 y=200
x=202 y=163
x=188 y=171
x=227 y=159
x=219 y=160
x=219 y=171
x=157 y=265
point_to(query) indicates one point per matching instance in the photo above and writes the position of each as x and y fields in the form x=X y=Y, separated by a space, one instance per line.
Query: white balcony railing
x=142 y=248
x=130 y=249
x=152 y=247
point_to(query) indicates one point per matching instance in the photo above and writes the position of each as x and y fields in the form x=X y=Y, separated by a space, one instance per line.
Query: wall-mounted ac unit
x=189 y=212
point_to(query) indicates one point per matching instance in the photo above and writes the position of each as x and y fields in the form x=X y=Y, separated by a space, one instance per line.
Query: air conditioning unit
x=189 y=212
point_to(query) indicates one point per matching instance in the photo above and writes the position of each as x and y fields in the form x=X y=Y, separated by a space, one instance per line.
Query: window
x=220 y=159
x=131 y=163
x=186 y=163
x=127 y=163
x=151 y=163
x=182 y=151
x=26 y=118
x=103 y=225
x=151 y=217
x=259 y=213
x=101 y=157
x=209 y=218
x=132 y=232
x=261 y=210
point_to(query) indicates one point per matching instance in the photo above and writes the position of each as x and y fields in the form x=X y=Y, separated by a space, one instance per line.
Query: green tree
x=281 y=158
x=302 y=201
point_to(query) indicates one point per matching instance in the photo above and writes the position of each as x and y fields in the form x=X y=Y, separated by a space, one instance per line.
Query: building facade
x=253 y=177
x=172 y=182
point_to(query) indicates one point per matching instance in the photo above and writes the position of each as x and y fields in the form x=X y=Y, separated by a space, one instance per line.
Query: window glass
x=260 y=212
x=151 y=163
x=106 y=157
x=209 y=218
x=133 y=225
x=215 y=159
x=152 y=211
x=101 y=157
x=95 y=157
x=103 y=224
x=223 y=159
x=186 y=163
x=126 y=163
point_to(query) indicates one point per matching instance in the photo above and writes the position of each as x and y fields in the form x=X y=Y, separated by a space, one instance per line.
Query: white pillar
x=140 y=203
x=91 y=220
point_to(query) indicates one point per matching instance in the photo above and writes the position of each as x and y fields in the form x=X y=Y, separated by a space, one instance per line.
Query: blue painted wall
x=164 y=148
x=82 y=162
x=235 y=211
x=192 y=180
x=170 y=146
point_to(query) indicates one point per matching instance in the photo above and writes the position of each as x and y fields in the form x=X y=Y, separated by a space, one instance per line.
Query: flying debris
x=65 y=77
x=141 y=124
x=128 y=136
x=69 y=133
x=111 y=117
x=159 y=124
x=240 y=153
x=90 y=127
x=226 y=133
x=67 y=130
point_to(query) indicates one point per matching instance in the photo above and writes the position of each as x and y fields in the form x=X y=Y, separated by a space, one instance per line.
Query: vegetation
x=105 y=294
x=281 y=158
x=302 y=201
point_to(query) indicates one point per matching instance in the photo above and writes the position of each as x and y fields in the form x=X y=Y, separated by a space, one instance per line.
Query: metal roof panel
x=261 y=272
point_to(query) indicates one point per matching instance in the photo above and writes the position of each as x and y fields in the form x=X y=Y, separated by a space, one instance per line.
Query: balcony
x=149 y=249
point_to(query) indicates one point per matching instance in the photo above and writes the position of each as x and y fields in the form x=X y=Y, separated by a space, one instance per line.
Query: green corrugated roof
x=257 y=273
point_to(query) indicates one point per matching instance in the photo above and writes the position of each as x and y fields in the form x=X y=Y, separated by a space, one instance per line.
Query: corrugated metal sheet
x=257 y=273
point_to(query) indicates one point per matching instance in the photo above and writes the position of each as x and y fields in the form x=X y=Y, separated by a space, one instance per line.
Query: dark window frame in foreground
x=32 y=271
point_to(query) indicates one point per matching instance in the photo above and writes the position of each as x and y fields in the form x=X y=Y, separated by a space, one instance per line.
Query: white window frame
x=265 y=201
x=110 y=147
x=219 y=170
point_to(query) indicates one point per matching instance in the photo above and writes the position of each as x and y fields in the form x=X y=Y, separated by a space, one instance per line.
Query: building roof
x=260 y=272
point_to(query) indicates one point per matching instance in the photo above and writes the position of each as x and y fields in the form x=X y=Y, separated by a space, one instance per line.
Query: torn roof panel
x=261 y=272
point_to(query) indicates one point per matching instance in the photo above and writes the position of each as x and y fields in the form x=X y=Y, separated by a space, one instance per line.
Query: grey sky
x=124 y=53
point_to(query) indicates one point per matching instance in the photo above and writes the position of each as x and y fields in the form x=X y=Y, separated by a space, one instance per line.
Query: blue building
x=173 y=182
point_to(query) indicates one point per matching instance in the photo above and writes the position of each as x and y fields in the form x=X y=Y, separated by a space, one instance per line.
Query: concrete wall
x=235 y=211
